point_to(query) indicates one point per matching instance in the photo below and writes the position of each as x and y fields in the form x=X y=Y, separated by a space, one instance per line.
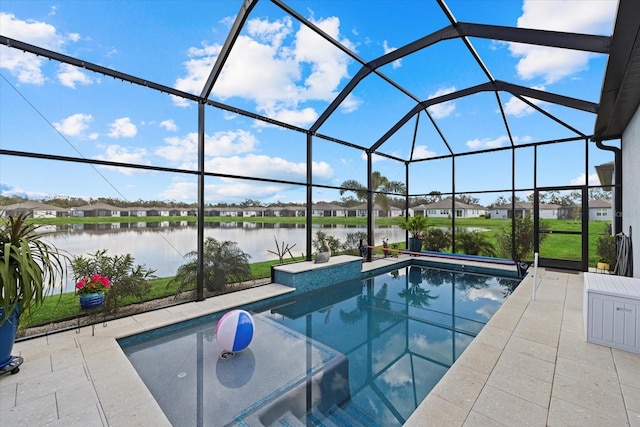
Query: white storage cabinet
x=612 y=311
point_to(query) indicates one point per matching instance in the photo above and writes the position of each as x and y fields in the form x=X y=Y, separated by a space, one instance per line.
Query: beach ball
x=234 y=330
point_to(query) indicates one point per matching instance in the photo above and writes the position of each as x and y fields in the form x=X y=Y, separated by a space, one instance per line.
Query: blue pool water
x=362 y=352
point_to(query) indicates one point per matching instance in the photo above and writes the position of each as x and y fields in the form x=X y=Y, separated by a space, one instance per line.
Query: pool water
x=362 y=352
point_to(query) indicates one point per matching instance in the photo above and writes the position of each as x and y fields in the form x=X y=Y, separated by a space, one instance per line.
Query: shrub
x=436 y=239
x=524 y=239
x=334 y=244
x=474 y=243
x=352 y=243
x=224 y=263
x=126 y=278
x=606 y=250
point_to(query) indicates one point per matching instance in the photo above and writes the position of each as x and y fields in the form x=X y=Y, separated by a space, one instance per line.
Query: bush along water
x=125 y=277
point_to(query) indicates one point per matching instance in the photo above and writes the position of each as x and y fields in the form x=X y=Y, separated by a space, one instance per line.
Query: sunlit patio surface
x=530 y=365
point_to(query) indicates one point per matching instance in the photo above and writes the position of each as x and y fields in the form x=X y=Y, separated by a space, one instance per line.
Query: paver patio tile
x=581 y=391
x=566 y=414
x=532 y=348
x=496 y=404
x=449 y=387
x=522 y=385
x=436 y=412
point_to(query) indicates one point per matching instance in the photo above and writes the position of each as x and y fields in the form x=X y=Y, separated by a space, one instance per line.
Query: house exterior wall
x=438 y=213
x=43 y=213
x=630 y=191
x=600 y=214
x=500 y=213
x=548 y=214
x=395 y=213
x=474 y=213
x=506 y=213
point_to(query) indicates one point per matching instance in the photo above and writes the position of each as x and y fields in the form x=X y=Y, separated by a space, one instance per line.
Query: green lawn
x=59 y=307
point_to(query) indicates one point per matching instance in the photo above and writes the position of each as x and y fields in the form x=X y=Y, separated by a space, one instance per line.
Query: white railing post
x=535 y=274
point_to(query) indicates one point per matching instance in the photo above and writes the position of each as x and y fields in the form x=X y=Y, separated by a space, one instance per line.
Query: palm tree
x=474 y=243
x=224 y=263
x=379 y=183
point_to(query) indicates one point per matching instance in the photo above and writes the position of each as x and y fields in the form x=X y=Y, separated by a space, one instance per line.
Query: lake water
x=162 y=246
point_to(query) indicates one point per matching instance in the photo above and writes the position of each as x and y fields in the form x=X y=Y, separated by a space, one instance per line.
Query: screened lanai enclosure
x=264 y=122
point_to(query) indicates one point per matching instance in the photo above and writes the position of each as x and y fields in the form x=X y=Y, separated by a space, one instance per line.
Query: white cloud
x=26 y=67
x=224 y=143
x=475 y=144
x=229 y=116
x=277 y=77
x=423 y=152
x=552 y=64
x=117 y=153
x=593 y=179
x=374 y=157
x=300 y=118
x=169 y=125
x=229 y=152
x=227 y=191
x=123 y=128
x=522 y=139
x=74 y=125
x=183 y=149
x=444 y=109
x=69 y=75
x=351 y=103
x=229 y=143
x=328 y=64
x=398 y=62
x=268 y=167
x=515 y=107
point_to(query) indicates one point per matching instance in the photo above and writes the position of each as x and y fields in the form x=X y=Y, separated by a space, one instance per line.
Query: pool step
x=348 y=416
x=287 y=420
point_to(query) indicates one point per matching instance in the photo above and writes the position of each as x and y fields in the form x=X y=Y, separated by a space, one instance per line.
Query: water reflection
x=162 y=245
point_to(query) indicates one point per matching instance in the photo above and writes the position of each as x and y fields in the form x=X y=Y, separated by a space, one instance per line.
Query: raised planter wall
x=307 y=275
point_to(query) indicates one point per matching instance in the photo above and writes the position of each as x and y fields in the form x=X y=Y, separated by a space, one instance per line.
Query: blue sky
x=282 y=70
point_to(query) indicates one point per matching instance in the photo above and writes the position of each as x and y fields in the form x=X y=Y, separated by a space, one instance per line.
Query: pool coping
x=545 y=335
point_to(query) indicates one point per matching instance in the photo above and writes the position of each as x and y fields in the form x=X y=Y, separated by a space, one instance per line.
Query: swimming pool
x=362 y=352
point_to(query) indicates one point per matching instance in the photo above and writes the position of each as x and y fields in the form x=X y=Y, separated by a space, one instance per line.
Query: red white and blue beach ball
x=234 y=330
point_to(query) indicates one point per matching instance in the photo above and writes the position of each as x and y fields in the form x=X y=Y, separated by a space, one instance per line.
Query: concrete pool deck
x=529 y=366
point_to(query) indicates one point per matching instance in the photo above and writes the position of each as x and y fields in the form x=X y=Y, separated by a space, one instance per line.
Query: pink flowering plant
x=96 y=283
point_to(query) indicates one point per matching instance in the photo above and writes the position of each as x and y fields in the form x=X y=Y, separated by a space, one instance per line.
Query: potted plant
x=29 y=268
x=415 y=225
x=91 y=290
